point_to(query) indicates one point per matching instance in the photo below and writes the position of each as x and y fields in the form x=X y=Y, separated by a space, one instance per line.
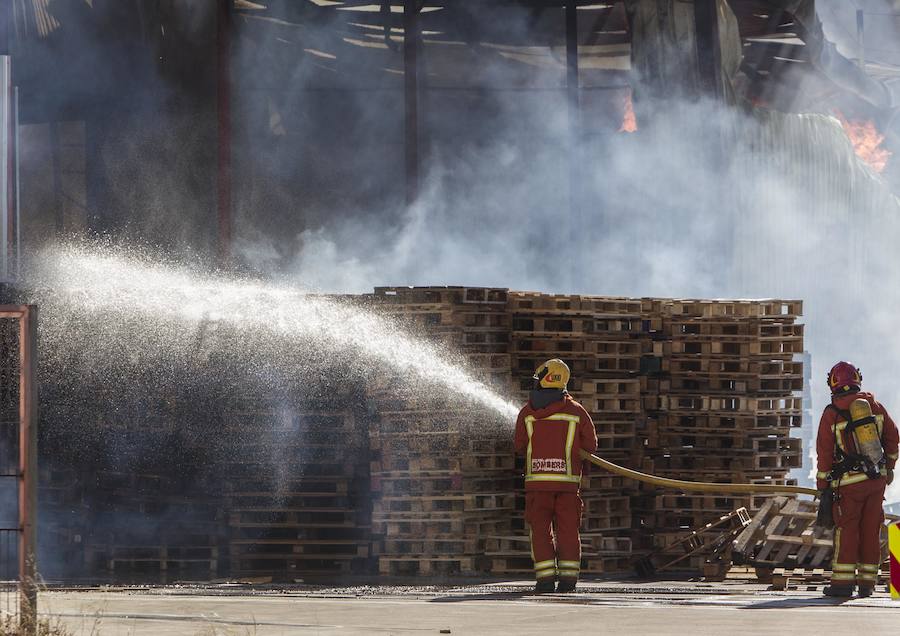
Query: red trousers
x=550 y=513
x=858 y=517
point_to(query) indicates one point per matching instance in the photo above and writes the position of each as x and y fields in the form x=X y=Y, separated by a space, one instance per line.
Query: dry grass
x=45 y=627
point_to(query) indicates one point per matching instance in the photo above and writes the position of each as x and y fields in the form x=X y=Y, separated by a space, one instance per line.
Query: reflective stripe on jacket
x=551 y=440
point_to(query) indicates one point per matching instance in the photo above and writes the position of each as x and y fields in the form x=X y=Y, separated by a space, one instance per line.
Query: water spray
x=122 y=288
x=119 y=289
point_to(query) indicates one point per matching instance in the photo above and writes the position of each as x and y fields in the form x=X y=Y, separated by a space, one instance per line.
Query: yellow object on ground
x=894 y=549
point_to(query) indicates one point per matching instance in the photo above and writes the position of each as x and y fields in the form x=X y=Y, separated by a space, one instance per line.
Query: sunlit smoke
x=106 y=291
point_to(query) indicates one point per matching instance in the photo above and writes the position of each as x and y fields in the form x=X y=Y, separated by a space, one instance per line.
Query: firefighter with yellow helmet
x=857 y=447
x=551 y=431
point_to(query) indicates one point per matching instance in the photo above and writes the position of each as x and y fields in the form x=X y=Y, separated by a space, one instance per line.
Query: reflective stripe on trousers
x=543 y=569
x=842 y=572
x=569 y=569
x=868 y=573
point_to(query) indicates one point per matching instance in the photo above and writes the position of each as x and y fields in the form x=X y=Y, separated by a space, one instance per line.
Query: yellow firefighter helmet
x=553 y=374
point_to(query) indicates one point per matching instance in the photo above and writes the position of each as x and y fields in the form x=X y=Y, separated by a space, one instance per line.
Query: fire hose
x=704 y=486
x=697 y=486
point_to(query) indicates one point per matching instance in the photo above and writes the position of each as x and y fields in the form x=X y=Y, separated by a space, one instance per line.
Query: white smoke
x=703 y=201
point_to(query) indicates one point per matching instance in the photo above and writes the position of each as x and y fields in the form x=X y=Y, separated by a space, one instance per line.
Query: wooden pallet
x=467 y=503
x=782 y=534
x=596 y=305
x=604 y=564
x=406 y=445
x=336 y=486
x=478 y=463
x=437 y=527
x=522 y=564
x=428 y=486
x=287 y=567
x=591 y=544
x=691 y=502
x=326 y=548
x=606 y=523
x=143 y=560
x=444 y=294
x=709 y=544
x=785 y=578
x=785 y=310
x=427 y=566
x=811 y=579
x=306 y=517
x=429 y=547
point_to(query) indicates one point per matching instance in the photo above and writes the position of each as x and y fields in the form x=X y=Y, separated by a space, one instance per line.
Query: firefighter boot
x=545 y=586
x=865 y=591
x=566 y=584
x=840 y=591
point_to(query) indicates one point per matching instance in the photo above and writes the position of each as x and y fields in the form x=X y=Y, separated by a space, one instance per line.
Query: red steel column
x=10 y=175
x=576 y=169
x=6 y=27
x=28 y=469
x=223 y=101
x=709 y=52
x=411 y=96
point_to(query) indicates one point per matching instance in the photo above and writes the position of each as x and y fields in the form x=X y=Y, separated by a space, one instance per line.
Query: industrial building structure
x=264 y=105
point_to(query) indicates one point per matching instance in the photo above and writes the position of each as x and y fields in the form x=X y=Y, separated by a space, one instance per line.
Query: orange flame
x=866 y=142
x=629 y=121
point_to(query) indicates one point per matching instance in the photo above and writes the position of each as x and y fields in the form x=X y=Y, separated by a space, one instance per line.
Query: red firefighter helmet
x=844 y=377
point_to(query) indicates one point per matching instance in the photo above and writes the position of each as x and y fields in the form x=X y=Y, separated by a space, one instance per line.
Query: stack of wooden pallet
x=601 y=339
x=472 y=322
x=64 y=521
x=297 y=495
x=288 y=479
x=442 y=468
x=150 y=528
x=722 y=401
x=693 y=389
x=441 y=487
x=174 y=553
x=148 y=516
x=240 y=476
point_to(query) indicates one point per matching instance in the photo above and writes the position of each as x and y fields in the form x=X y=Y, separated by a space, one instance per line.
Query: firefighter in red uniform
x=857 y=450
x=551 y=431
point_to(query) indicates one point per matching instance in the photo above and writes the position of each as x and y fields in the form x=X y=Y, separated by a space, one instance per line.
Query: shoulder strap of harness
x=841 y=459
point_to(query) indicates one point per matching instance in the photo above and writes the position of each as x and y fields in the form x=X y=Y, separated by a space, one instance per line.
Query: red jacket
x=826 y=442
x=551 y=440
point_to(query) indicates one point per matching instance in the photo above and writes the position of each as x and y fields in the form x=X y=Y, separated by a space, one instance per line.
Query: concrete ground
x=509 y=608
